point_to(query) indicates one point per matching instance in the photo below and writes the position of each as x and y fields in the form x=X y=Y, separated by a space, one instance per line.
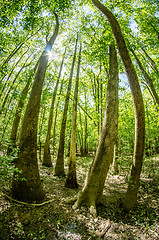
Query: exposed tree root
x=93 y=211
x=27 y=204
x=71 y=200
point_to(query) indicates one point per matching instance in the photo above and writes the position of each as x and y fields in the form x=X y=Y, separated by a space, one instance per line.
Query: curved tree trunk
x=47 y=155
x=93 y=188
x=71 y=181
x=59 y=166
x=26 y=186
x=133 y=186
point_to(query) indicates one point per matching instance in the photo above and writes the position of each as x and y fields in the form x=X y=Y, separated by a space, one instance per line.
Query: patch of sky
x=157 y=14
x=47 y=48
x=123 y=80
x=133 y=26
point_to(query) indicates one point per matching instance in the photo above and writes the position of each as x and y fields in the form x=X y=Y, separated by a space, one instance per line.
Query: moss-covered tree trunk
x=59 y=166
x=47 y=155
x=91 y=193
x=133 y=185
x=26 y=186
x=71 y=181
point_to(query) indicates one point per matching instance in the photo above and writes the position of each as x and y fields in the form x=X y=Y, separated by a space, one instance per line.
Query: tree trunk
x=47 y=155
x=115 y=159
x=40 y=131
x=85 y=149
x=59 y=166
x=147 y=77
x=133 y=186
x=81 y=135
x=92 y=191
x=55 y=120
x=17 y=116
x=71 y=181
x=26 y=186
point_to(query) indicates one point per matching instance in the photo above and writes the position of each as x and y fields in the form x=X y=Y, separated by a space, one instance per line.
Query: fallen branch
x=27 y=204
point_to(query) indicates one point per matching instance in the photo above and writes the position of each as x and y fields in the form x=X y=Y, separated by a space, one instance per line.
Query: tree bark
x=47 y=155
x=71 y=181
x=26 y=186
x=133 y=185
x=91 y=193
x=59 y=166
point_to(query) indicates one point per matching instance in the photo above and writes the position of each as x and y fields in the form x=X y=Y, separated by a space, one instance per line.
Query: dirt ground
x=58 y=220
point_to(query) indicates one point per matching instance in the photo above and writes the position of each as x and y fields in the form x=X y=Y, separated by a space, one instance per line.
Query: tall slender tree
x=47 y=155
x=133 y=185
x=59 y=166
x=26 y=185
x=93 y=188
x=71 y=181
x=55 y=118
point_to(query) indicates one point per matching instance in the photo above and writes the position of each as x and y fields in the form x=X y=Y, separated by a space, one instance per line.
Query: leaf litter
x=57 y=220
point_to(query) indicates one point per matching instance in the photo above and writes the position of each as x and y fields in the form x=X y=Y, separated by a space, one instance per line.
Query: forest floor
x=58 y=220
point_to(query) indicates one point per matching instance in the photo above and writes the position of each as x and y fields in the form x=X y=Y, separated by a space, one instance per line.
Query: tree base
x=70 y=184
x=47 y=164
x=59 y=174
x=27 y=194
x=27 y=190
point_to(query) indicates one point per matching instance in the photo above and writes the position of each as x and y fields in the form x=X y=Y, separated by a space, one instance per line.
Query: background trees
x=26 y=27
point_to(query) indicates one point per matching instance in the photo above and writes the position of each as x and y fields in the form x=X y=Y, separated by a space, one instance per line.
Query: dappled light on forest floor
x=57 y=220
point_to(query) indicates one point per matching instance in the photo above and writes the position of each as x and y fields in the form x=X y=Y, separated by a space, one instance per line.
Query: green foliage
x=23 y=19
x=7 y=165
